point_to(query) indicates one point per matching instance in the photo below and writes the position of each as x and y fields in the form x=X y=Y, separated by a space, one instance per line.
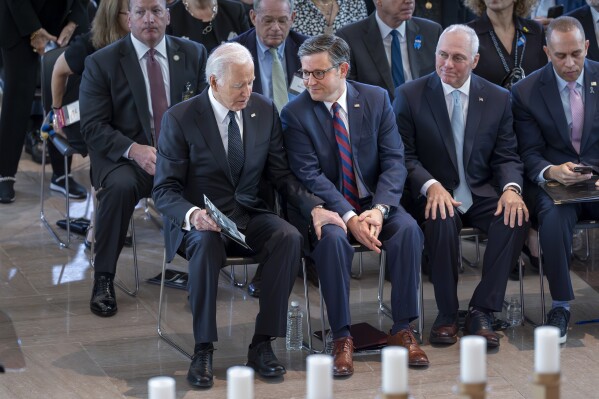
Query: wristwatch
x=384 y=210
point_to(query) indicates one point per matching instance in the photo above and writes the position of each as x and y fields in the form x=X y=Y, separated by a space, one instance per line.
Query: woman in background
x=315 y=17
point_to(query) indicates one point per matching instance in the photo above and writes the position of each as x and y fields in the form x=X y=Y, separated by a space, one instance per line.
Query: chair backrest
x=71 y=95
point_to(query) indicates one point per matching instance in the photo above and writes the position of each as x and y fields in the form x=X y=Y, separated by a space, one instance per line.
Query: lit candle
x=473 y=360
x=319 y=377
x=395 y=370
x=161 y=388
x=547 y=350
x=240 y=382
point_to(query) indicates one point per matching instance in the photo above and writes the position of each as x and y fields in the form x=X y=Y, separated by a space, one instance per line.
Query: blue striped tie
x=349 y=189
x=396 y=61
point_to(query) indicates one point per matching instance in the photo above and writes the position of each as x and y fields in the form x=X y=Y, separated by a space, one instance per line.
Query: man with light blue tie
x=390 y=46
x=463 y=170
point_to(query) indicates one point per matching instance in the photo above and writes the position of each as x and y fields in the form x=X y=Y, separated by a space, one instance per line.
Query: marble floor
x=54 y=347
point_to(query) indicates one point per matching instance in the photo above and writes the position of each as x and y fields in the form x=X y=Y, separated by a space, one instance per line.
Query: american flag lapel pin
x=480 y=99
x=356 y=105
x=252 y=115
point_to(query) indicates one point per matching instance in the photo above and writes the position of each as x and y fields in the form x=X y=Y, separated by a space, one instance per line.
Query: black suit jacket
x=113 y=99
x=230 y=21
x=583 y=14
x=490 y=151
x=369 y=63
x=20 y=18
x=292 y=63
x=541 y=126
x=192 y=162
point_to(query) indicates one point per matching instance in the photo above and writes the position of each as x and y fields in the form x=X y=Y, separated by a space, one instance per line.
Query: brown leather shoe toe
x=446 y=334
x=480 y=323
x=405 y=338
x=343 y=351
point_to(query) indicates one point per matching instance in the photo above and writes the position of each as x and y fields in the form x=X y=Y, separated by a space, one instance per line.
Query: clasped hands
x=40 y=38
x=365 y=227
x=438 y=200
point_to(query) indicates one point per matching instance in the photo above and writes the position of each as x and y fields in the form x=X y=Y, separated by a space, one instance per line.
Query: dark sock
x=103 y=274
x=400 y=325
x=259 y=338
x=202 y=346
x=481 y=309
x=341 y=333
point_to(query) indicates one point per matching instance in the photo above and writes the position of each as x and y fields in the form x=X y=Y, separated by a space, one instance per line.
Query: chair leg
x=161 y=333
x=63 y=243
x=233 y=279
x=420 y=307
x=541 y=285
x=521 y=274
x=148 y=214
x=382 y=306
x=308 y=347
x=358 y=275
x=461 y=256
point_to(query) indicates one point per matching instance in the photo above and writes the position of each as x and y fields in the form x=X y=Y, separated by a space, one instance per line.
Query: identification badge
x=68 y=114
x=297 y=85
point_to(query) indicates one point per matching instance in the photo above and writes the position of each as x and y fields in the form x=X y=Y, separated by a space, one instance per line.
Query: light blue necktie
x=462 y=192
x=396 y=62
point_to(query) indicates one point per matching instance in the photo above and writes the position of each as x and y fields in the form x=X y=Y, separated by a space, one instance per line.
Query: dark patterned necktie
x=349 y=187
x=157 y=91
x=236 y=159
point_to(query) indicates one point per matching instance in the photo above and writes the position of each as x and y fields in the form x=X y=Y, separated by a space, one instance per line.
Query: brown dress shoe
x=445 y=330
x=405 y=338
x=343 y=351
x=480 y=323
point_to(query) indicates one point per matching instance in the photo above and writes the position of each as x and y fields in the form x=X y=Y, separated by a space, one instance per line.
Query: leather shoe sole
x=266 y=374
x=103 y=313
x=194 y=382
x=442 y=340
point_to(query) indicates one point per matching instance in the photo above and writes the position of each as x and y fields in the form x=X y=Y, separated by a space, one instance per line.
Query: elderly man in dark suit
x=125 y=89
x=344 y=146
x=220 y=144
x=555 y=120
x=463 y=169
x=390 y=46
x=589 y=19
x=272 y=35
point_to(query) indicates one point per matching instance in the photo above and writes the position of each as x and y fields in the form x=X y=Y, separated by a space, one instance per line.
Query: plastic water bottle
x=514 y=312
x=295 y=332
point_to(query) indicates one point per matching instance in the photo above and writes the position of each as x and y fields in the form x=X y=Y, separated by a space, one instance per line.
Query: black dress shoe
x=103 y=302
x=481 y=323
x=7 y=190
x=262 y=359
x=254 y=288
x=445 y=329
x=200 y=370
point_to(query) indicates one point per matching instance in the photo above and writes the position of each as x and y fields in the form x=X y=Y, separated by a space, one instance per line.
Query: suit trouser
x=402 y=240
x=278 y=247
x=442 y=246
x=556 y=225
x=21 y=69
x=120 y=191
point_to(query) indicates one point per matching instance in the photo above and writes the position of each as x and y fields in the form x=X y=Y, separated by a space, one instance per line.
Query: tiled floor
x=69 y=353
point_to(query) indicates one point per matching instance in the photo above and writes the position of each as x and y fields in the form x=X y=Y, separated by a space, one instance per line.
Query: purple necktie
x=349 y=189
x=577 y=109
x=157 y=92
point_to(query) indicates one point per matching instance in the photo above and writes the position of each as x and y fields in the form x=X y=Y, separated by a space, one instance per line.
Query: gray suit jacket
x=113 y=100
x=369 y=63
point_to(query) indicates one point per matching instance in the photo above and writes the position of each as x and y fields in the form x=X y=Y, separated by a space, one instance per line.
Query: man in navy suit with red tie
x=343 y=144
x=555 y=120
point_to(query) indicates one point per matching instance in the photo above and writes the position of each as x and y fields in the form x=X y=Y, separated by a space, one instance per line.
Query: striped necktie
x=349 y=188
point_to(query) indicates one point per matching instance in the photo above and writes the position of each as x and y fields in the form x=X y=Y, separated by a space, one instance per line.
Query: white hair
x=223 y=56
x=468 y=31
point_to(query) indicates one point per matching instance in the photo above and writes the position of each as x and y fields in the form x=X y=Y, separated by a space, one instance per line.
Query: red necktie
x=157 y=92
x=349 y=189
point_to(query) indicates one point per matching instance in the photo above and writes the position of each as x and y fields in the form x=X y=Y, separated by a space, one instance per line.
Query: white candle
x=547 y=350
x=473 y=360
x=240 y=382
x=319 y=379
x=395 y=370
x=161 y=388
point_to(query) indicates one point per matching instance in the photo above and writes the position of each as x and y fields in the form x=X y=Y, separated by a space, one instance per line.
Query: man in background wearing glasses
x=343 y=144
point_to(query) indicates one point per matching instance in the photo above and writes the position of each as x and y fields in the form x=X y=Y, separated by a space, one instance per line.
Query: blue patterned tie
x=396 y=62
x=462 y=191
x=236 y=159
x=349 y=188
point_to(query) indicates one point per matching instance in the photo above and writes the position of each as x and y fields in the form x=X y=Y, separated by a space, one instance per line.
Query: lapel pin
x=252 y=115
x=418 y=42
x=356 y=105
x=481 y=99
x=176 y=57
x=525 y=29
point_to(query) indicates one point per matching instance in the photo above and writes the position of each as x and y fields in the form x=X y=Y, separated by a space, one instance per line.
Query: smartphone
x=585 y=170
x=555 y=11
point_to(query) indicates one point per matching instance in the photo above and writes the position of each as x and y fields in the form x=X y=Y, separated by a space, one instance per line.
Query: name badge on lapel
x=297 y=85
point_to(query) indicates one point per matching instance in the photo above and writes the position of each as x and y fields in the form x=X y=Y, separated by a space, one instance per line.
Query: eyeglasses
x=318 y=74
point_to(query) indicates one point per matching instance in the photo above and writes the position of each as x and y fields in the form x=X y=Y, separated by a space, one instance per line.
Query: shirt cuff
x=540 y=178
x=426 y=186
x=348 y=215
x=513 y=185
x=186 y=223
x=126 y=154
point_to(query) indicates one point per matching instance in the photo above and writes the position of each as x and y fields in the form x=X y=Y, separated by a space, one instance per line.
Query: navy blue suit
x=543 y=140
x=585 y=17
x=378 y=158
x=292 y=63
x=490 y=162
